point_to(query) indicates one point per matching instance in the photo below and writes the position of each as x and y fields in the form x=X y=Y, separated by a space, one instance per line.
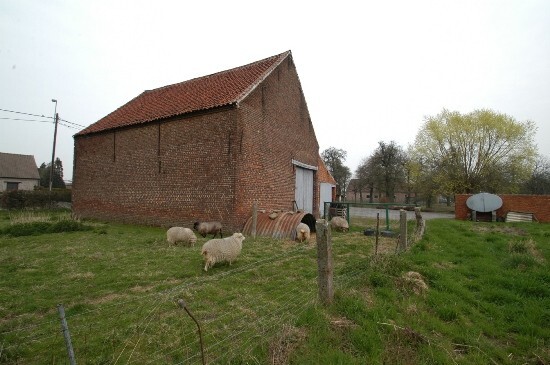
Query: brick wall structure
x=204 y=165
x=539 y=205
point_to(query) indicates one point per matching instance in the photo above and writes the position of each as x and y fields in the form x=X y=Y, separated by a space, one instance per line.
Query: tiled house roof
x=323 y=173
x=203 y=93
x=18 y=166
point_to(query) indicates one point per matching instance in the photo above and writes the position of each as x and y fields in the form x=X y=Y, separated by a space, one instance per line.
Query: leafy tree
x=57 y=178
x=334 y=160
x=539 y=182
x=479 y=151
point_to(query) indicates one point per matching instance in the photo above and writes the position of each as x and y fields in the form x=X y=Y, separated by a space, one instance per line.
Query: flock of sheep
x=228 y=249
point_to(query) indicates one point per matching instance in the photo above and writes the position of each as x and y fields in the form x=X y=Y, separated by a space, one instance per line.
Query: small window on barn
x=12 y=186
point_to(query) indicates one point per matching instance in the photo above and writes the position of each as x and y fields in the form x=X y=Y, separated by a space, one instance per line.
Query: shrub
x=27 y=229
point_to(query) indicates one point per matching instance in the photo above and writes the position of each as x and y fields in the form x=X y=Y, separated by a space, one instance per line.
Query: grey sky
x=370 y=70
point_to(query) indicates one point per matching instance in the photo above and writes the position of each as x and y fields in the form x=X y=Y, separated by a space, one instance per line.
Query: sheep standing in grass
x=222 y=249
x=339 y=224
x=302 y=232
x=181 y=234
x=205 y=228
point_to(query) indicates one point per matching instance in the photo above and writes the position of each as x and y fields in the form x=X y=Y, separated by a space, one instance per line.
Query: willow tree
x=479 y=151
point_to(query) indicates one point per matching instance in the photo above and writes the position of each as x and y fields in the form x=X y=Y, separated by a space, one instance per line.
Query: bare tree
x=334 y=160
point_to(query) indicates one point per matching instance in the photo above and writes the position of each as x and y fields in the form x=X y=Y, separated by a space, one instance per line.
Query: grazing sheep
x=181 y=234
x=205 y=228
x=339 y=224
x=222 y=249
x=302 y=232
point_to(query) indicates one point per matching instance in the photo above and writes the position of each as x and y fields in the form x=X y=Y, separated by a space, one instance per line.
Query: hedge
x=21 y=199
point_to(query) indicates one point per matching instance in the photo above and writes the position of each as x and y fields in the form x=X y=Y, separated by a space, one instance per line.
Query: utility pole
x=56 y=118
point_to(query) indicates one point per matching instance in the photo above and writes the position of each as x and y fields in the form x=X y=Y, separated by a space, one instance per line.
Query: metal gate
x=325 y=196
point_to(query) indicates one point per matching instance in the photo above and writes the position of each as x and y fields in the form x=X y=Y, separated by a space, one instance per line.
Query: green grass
x=478 y=293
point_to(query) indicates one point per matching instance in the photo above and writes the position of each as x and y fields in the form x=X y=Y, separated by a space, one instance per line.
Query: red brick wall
x=537 y=204
x=211 y=166
x=158 y=173
x=276 y=129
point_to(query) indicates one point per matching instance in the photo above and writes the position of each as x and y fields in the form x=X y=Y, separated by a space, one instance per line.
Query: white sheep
x=302 y=232
x=205 y=228
x=339 y=224
x=181 y=234
x=222 y=249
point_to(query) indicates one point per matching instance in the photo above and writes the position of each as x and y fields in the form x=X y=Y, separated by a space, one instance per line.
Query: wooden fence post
x=420 y=224
x=402 y=230
x=325 y=267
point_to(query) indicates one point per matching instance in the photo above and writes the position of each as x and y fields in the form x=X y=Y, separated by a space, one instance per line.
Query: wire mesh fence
x=242 y=311
x=239 y=311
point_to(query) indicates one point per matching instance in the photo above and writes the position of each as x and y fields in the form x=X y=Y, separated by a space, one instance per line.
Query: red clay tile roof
x=207 y=92
x=323 y=173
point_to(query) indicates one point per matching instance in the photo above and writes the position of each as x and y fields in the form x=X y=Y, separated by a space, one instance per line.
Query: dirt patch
x=499 y=229
x=342 y=323
x=288 y=339
x=444 y=265
x=105 y=299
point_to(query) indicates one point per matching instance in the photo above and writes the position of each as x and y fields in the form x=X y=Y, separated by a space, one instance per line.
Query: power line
x=40 y=116
x=43 y=121
x=28 y=120
x=34 y=115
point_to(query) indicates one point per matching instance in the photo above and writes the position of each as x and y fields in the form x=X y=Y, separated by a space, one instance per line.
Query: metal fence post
x=66 y=334
x=402 y=230
x=387 y=218
x=325 y=267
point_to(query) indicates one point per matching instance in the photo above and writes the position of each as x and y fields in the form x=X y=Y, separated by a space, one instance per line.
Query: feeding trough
x=484 y=206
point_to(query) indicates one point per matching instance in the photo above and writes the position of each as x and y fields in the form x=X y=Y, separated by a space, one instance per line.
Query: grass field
x=468 y=293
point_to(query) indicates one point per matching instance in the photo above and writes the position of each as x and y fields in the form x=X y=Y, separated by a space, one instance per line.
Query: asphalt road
x=394 y=214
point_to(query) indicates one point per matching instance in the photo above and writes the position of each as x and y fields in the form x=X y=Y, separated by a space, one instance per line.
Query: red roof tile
x=207 y=92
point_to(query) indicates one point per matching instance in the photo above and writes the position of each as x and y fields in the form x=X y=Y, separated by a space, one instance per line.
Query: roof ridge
x=247 y=91
x=15 y=154
x=220 y=72
x=227 y=87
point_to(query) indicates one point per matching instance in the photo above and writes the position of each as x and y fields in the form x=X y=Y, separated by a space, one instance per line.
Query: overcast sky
x=370 y=70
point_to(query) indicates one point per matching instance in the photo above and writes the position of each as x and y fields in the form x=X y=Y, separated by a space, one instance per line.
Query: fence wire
x=241 y=310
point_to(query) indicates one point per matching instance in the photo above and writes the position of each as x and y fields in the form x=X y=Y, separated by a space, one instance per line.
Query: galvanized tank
x=278 y=224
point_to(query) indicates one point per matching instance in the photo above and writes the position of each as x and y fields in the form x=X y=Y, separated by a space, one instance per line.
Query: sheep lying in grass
x=222 y=249
x=205 y=228
x=339 y=224
x=302 y=232
x=181 y=234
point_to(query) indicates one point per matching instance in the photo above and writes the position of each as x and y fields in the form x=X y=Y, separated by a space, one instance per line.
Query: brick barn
x=202 y=149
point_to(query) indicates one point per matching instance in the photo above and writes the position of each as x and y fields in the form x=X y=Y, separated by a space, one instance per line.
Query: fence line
x=150 y=328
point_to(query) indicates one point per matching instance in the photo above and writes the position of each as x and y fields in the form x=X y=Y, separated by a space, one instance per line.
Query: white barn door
x=304 y=189
x=326 y=196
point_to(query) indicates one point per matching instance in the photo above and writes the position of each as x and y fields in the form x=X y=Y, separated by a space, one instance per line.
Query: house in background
x=327 y=186
x=18 y=172
x=357 y=193
x=203 y=149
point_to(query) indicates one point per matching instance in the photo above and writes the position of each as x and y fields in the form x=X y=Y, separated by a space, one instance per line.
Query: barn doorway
x=303 y=194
